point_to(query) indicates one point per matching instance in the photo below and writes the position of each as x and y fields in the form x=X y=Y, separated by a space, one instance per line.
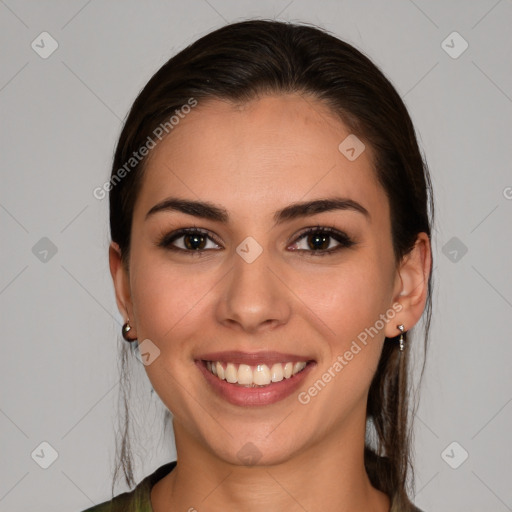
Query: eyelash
x=344 y=241
x=342 y=238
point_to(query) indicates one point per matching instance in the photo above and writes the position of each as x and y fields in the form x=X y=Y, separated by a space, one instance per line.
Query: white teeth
x=244 y=374
x=231 y=373
x=276 y=372
x=220 y=370
x=259 y=375
x=297 y=367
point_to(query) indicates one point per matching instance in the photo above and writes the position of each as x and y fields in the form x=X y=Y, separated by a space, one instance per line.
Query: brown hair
x=241 y=61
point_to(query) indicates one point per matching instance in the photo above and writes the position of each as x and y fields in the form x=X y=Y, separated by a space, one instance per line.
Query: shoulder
x=124 y=502
x=137 y=500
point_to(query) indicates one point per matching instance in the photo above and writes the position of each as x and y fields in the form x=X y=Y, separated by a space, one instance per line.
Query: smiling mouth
x=259 y=375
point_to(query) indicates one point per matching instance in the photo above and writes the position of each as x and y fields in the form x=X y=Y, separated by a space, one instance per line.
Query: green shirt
x=139 y=499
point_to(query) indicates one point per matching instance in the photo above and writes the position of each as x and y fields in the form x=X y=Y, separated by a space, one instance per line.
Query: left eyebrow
x=297 y=210
x=213 y=212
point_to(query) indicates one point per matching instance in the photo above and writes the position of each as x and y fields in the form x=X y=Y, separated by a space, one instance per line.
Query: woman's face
x=246 y=287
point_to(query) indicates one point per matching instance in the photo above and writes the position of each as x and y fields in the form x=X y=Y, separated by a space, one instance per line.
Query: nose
x=253 y=299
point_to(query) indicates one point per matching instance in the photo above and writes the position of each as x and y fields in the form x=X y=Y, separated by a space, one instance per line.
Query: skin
x=253 y=160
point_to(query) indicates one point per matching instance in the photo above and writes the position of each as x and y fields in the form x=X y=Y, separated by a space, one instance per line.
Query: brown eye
x=194 y=242
x=322 y=240
x=188 y=240
x=318 y=241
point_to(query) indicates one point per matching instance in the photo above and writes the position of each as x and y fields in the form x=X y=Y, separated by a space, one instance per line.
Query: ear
x=121 y=279
x=411 y=286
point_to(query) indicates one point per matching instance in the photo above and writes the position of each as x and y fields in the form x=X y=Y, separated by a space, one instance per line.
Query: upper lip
x=249 y=358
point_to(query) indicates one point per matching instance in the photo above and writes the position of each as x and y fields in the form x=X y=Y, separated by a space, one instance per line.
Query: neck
x=326 y=476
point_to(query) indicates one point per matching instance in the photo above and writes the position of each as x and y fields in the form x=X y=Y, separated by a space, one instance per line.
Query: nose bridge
x=253 y=297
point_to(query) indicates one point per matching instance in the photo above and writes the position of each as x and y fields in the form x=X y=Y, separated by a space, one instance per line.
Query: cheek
x=169 y=304
x=348 y=298
x=347 y=302
x=167 y=301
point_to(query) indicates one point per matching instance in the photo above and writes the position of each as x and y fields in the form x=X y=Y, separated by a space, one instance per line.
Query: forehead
x=262 y=154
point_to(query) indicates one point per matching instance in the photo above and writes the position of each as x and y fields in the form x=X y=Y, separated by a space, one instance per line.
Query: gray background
x=60 y=117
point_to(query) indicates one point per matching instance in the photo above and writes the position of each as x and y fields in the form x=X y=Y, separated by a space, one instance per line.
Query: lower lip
x=249 y=396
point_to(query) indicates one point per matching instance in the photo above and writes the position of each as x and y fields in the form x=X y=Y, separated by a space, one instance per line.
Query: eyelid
x=318 y=227
x=167 y=239
x=341 y=237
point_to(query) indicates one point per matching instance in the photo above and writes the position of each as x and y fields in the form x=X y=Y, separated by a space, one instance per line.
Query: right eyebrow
x=200 y=209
